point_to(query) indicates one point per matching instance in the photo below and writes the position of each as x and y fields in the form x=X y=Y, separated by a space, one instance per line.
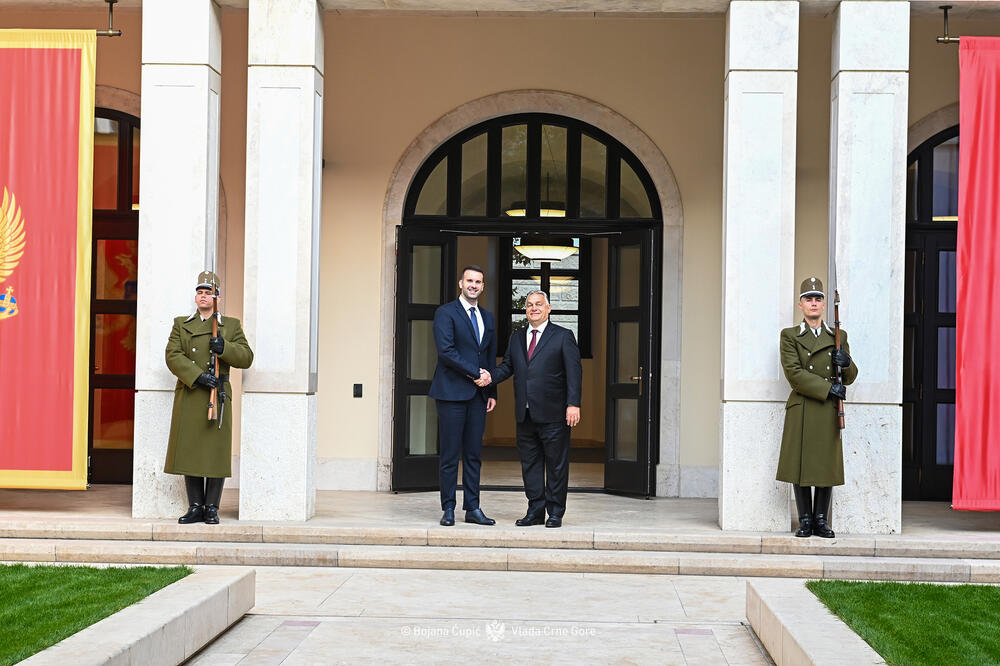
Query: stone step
x=818 y=565
x=966 y=546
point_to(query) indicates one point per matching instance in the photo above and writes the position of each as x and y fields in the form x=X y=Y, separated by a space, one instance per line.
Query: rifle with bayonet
x=218 y=394
x=836 y=345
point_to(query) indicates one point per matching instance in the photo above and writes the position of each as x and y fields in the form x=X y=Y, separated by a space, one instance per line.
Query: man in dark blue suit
x=465 y=336
x=545 y=363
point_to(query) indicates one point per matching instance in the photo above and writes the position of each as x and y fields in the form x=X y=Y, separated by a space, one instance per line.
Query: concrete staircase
x=971 y=558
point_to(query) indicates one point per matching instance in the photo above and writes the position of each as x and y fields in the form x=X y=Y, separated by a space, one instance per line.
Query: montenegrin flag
x=46 y=181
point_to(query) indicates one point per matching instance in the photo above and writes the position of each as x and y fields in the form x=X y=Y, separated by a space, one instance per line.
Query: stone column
x=758 y=258
x=281 y=290
x=867 y=231
x=178 y=218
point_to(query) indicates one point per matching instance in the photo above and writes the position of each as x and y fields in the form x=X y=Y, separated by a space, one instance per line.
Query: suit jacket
x=460 y=355
x=550 y=381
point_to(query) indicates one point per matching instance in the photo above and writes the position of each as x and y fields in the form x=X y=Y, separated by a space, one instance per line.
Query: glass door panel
x=630 y=394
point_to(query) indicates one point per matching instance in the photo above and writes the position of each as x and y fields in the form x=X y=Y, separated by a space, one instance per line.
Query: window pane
x=946 y=358
x=946 y=281
x=553 y=171
x=627 y=356
x=517 y=322
x=518 y=260
x=105 y=163
x=593 y=177
x=628 y=276
x=626 y=429
x=423 y=353
x=513 y=188
x=114 y=344
x=433 y=199
x=945 y=454
x=564 y=292
x=116 y=269
x=570 y=321
x=135 y=168
x=911 y=193
x=519 y=290
x=474 y=176
x=423 y=425
x=946 y=181
x=634 y=202
x=114 y=418
x=425 y=274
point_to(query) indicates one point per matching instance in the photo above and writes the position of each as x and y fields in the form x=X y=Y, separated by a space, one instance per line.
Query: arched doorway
x=492 y=188
x=929 y=318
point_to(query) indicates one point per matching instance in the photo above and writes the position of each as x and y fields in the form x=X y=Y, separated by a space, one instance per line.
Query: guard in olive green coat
x=811 y=449
x=201 y=449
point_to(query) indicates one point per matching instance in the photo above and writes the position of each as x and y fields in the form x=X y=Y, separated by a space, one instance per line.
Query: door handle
x=638 y=378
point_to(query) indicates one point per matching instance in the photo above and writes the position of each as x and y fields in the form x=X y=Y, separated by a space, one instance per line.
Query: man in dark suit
x=465 y=336
x=545 y=363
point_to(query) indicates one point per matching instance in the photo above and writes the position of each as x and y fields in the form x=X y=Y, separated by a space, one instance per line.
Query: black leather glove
x=841 y=358
x=216 y=345
x=207 y=380
x=838 y=391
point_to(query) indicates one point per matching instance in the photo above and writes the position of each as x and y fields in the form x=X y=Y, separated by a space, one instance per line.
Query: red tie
x=531 y=347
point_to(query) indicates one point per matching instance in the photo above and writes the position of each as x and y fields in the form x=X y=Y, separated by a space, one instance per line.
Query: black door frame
x=412 y=473
x=923 y=477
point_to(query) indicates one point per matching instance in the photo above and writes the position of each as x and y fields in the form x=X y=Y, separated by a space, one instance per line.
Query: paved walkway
x=357 y=616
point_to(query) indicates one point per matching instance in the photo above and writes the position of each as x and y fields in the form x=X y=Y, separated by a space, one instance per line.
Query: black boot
x=803 y=504
x=195 y=486
x=213 y=494
x=824 y=495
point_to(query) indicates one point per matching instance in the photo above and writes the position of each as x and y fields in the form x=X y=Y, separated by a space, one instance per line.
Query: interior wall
x=388 y=78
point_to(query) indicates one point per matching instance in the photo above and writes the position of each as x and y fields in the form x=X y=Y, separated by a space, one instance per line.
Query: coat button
x=809 y=353
x=194 y=349
x=827 y=367
x=810 y=367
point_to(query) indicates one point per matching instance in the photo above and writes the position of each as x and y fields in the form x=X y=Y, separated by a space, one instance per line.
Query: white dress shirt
x=540 y=329
x=479 y=316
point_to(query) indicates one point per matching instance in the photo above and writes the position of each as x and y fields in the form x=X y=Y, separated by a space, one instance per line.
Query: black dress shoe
x=478 y=517
x=529 y=520
x=554 y=521
x=805 y=526
x=195 y=514
x=211 y=514
x=448 y=518
x=821 y=528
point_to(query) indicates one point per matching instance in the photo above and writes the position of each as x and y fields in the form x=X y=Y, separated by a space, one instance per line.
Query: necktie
x=534 y=338
x=475 y=324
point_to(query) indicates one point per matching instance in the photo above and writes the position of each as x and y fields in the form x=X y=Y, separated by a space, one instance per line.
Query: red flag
x=977 y=391
x=46 y=174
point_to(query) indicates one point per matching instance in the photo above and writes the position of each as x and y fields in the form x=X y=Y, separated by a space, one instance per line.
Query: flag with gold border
x=46 y=182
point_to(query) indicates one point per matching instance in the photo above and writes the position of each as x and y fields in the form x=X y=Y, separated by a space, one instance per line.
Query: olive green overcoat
x=197 y=446
x=811 y=449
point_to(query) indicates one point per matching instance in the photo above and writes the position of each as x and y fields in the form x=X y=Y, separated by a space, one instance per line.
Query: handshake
x=484 y=378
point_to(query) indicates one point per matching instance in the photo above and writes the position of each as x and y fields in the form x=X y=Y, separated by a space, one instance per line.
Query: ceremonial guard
x=201 y=350
x=811 y=451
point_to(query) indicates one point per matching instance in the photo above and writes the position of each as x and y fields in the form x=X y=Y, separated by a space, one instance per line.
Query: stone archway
x=622 y=129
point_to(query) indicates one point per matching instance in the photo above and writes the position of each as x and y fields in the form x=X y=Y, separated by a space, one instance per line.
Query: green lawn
x=912 y=624
x=41 y=605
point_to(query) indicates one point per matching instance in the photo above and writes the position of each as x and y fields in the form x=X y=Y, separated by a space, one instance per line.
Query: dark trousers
x=460 y=434
x=544 y=451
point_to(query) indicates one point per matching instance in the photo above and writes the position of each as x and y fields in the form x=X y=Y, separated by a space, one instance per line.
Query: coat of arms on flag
x=11 y=249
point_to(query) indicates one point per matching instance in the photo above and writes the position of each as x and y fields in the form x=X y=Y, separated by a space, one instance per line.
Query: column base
x=278 y=456
x=871 y=499
x=154 y=493
x=749 y=496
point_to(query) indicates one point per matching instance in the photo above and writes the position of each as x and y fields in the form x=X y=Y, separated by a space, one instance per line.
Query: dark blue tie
x=475 y=324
